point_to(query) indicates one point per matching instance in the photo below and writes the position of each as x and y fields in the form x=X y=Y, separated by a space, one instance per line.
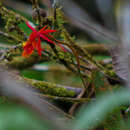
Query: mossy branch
x=19 y=62
x=54 y=89
x=10 y=37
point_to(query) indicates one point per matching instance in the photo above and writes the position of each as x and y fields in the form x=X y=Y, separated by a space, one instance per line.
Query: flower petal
x=58 y=44
x=34 y=44
x=47 y=39
x=28 y=49
x=33 y=36
x=25 y=54
x=39 y=49
x=33 y=29
x=48 y=31
x=43 y=29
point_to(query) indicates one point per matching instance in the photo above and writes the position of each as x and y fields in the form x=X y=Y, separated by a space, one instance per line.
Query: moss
x=12 y=19
x=51 y=88
x=66 y=56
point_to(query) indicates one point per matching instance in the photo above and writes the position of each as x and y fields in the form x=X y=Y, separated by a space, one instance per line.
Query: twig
x=67 y=99
x=71 y=110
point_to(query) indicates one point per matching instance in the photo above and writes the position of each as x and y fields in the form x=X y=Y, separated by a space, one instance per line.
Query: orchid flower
x=34 y=40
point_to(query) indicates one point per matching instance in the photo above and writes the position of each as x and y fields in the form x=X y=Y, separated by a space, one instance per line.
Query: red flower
x=34 y=41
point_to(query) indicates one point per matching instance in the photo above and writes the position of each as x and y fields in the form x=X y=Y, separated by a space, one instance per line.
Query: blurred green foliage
x=16 y=117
